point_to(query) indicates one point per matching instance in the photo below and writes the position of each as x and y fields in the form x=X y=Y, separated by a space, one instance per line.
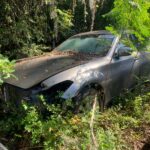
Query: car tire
x=83 y=102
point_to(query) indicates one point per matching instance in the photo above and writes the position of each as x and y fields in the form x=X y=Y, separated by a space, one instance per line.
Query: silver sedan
x=85 y=64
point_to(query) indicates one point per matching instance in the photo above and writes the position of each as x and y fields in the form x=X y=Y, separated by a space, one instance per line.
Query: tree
x=132 y=16
x=25 y=26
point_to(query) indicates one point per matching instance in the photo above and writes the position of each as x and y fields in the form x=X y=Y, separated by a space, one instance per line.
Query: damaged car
x=86 y=64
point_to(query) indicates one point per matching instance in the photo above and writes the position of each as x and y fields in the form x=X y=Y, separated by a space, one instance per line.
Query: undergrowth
x=118 y=128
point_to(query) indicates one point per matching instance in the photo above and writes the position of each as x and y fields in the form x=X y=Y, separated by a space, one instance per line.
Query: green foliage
x=28 y=25
x=29 y=22
x=6 y=68
x=131 y=16
x=64 y=21
x=108 y=140
x=45 y=22
x=65 y=132
x=50 y=127
x=28 y=51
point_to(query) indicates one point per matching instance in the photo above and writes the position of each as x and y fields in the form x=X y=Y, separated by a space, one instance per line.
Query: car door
x=144 y=70
x=121 y=69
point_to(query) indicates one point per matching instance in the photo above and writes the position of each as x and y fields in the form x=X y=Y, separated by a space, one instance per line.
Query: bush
x=6 y=68
x=115 y=129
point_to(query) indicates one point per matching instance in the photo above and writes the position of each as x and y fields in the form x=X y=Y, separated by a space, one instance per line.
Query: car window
x=91 y=44
x=123 y=50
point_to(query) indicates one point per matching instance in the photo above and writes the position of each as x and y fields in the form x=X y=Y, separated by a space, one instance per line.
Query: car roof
x=103 y=32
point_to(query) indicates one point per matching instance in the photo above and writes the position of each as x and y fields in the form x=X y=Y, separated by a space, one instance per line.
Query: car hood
x=80 y=74
x=31 y=71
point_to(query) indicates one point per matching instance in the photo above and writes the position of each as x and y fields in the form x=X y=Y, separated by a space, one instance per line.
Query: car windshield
x=88 y=44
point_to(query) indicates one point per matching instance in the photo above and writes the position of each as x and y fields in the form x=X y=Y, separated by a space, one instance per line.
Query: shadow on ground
x=146 y=146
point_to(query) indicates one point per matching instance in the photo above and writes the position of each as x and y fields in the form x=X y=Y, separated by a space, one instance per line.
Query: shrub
x=6 y=68
x=115 y=129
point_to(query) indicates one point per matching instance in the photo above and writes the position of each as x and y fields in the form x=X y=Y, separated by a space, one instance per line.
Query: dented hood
x=32 y=71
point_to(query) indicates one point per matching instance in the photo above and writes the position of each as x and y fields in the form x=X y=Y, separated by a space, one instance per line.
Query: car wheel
x=84 y=101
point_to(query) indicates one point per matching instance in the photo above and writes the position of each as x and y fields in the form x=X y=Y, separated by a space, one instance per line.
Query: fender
x=82 y=80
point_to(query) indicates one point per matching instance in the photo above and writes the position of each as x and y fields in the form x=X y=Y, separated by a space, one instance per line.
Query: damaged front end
x=51 y=95
x=31 y=72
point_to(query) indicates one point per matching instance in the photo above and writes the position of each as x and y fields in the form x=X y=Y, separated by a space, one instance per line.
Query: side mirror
x=116 y=55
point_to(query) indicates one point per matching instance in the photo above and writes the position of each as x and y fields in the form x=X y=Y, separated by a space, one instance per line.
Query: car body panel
x=120 y=70
x=81 y=76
